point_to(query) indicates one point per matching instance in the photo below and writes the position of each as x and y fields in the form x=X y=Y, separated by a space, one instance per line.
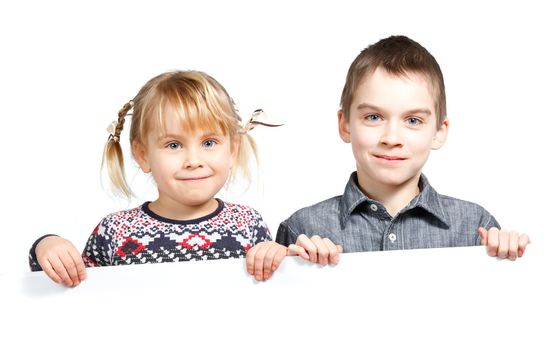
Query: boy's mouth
x=390 y=158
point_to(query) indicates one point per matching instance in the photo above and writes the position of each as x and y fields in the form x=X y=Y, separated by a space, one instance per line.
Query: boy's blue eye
x=209 y=143
x=413 y=121
x=373 y=117
x=174 y=145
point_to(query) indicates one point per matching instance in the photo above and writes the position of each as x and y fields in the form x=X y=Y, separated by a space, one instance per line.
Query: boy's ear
x=140 y=154
x=344 y=127
x=441 y=135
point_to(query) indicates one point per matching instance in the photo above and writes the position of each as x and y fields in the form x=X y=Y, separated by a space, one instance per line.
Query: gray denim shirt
x=361 y=224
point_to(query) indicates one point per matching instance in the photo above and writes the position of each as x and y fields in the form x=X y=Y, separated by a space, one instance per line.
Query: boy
x=393 y=113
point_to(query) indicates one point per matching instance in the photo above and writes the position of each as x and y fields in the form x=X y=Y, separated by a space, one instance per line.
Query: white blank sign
x=437 y=298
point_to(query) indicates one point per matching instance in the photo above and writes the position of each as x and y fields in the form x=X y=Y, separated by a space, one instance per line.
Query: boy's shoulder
x=456 y=209
x=322 y=214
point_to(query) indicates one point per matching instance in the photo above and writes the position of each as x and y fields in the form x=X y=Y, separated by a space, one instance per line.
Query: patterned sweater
x=139 y=236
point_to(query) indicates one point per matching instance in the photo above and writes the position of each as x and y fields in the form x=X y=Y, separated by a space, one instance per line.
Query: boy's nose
x=391 y=135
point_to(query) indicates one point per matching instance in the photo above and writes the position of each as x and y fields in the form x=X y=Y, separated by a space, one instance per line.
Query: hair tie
x=254 y=122
x=111 y=130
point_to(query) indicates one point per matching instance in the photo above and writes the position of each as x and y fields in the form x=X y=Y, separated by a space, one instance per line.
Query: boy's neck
x=393 y=197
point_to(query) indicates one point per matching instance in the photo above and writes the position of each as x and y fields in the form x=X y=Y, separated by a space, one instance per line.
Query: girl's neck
x=393 y=197
x=173 y=210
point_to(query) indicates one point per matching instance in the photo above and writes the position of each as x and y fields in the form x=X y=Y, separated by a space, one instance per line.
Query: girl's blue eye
x=373 y=118
x=173 y=145
x=209 y=143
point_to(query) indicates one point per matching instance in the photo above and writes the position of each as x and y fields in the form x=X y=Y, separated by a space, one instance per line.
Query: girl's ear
x=441 y=135
x=235 y=150
x=140 y=154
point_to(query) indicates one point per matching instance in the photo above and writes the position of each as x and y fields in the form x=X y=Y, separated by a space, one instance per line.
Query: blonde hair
x=398 y=55
x=200 y=102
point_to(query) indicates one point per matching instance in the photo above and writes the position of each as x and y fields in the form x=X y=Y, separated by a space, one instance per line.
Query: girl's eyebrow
x=169 y=136
x=179 y=136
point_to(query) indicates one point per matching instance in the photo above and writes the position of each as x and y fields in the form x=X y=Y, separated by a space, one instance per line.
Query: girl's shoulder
x=234 y=209
x=125 y=215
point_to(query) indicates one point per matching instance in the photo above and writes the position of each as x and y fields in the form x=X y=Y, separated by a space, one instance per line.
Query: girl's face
x=188 y=167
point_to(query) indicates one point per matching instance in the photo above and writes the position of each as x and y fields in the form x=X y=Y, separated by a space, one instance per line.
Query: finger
x=309 y=246
x=49 y=270
x=249 y=259
x=278 y=258
x=483 y=233
x=59 y=268
x=333 y=251
x=70 y=267
x=523 y=241
x=503 y=247
x=269 y=260
x=493 y=241
x=513 y=245
x=79 y=263
x=323 y=251
x=294 y=249
x=339 y=248
x=259 y=262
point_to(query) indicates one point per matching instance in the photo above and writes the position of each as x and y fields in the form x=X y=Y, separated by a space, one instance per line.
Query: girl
x=186 y=132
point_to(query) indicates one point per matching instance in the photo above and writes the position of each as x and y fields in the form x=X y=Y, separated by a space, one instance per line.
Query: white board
x=452 y=298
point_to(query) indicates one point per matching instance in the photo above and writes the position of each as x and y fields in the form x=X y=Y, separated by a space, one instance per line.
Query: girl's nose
x=193 y=159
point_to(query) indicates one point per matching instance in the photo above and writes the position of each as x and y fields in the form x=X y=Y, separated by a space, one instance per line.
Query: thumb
x=294 y=250
x=483 y=235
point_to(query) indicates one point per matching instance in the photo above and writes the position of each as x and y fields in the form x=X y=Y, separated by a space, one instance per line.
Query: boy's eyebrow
x=411 y=111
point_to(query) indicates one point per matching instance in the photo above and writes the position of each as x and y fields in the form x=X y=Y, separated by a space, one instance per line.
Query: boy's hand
x=61 y=261
x=502 y=243
x=316 y=249
x=264 y=258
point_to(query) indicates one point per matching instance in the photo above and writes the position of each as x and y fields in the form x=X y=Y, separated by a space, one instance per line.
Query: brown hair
x=398 y=55
x=200 y=102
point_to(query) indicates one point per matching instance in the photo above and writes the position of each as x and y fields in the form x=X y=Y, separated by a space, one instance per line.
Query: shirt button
x=373 y=207
x=392 y=237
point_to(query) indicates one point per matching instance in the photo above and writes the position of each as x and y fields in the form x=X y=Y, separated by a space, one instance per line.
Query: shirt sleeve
x=487 y=221
x=285 y=235
x=33 y=261
x=261 y=232
x=97 y=251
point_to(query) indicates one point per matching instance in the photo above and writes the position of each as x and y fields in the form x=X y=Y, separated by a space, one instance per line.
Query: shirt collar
x=427 y=199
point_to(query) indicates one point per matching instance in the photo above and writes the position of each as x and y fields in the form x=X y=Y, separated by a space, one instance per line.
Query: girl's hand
x=61 y=261
x=504 y=244
x=264 y=258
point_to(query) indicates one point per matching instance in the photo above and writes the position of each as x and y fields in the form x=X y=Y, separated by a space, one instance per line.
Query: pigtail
x=247 y=151
x=113 y=156
x=247 y=146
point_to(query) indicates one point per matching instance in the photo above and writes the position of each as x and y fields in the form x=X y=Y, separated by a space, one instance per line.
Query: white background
x=67 y=67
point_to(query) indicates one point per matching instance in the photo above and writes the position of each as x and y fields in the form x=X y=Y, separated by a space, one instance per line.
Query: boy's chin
x=395 y=179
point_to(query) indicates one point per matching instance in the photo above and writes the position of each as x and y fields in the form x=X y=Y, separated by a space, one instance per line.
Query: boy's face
x=392 y=128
